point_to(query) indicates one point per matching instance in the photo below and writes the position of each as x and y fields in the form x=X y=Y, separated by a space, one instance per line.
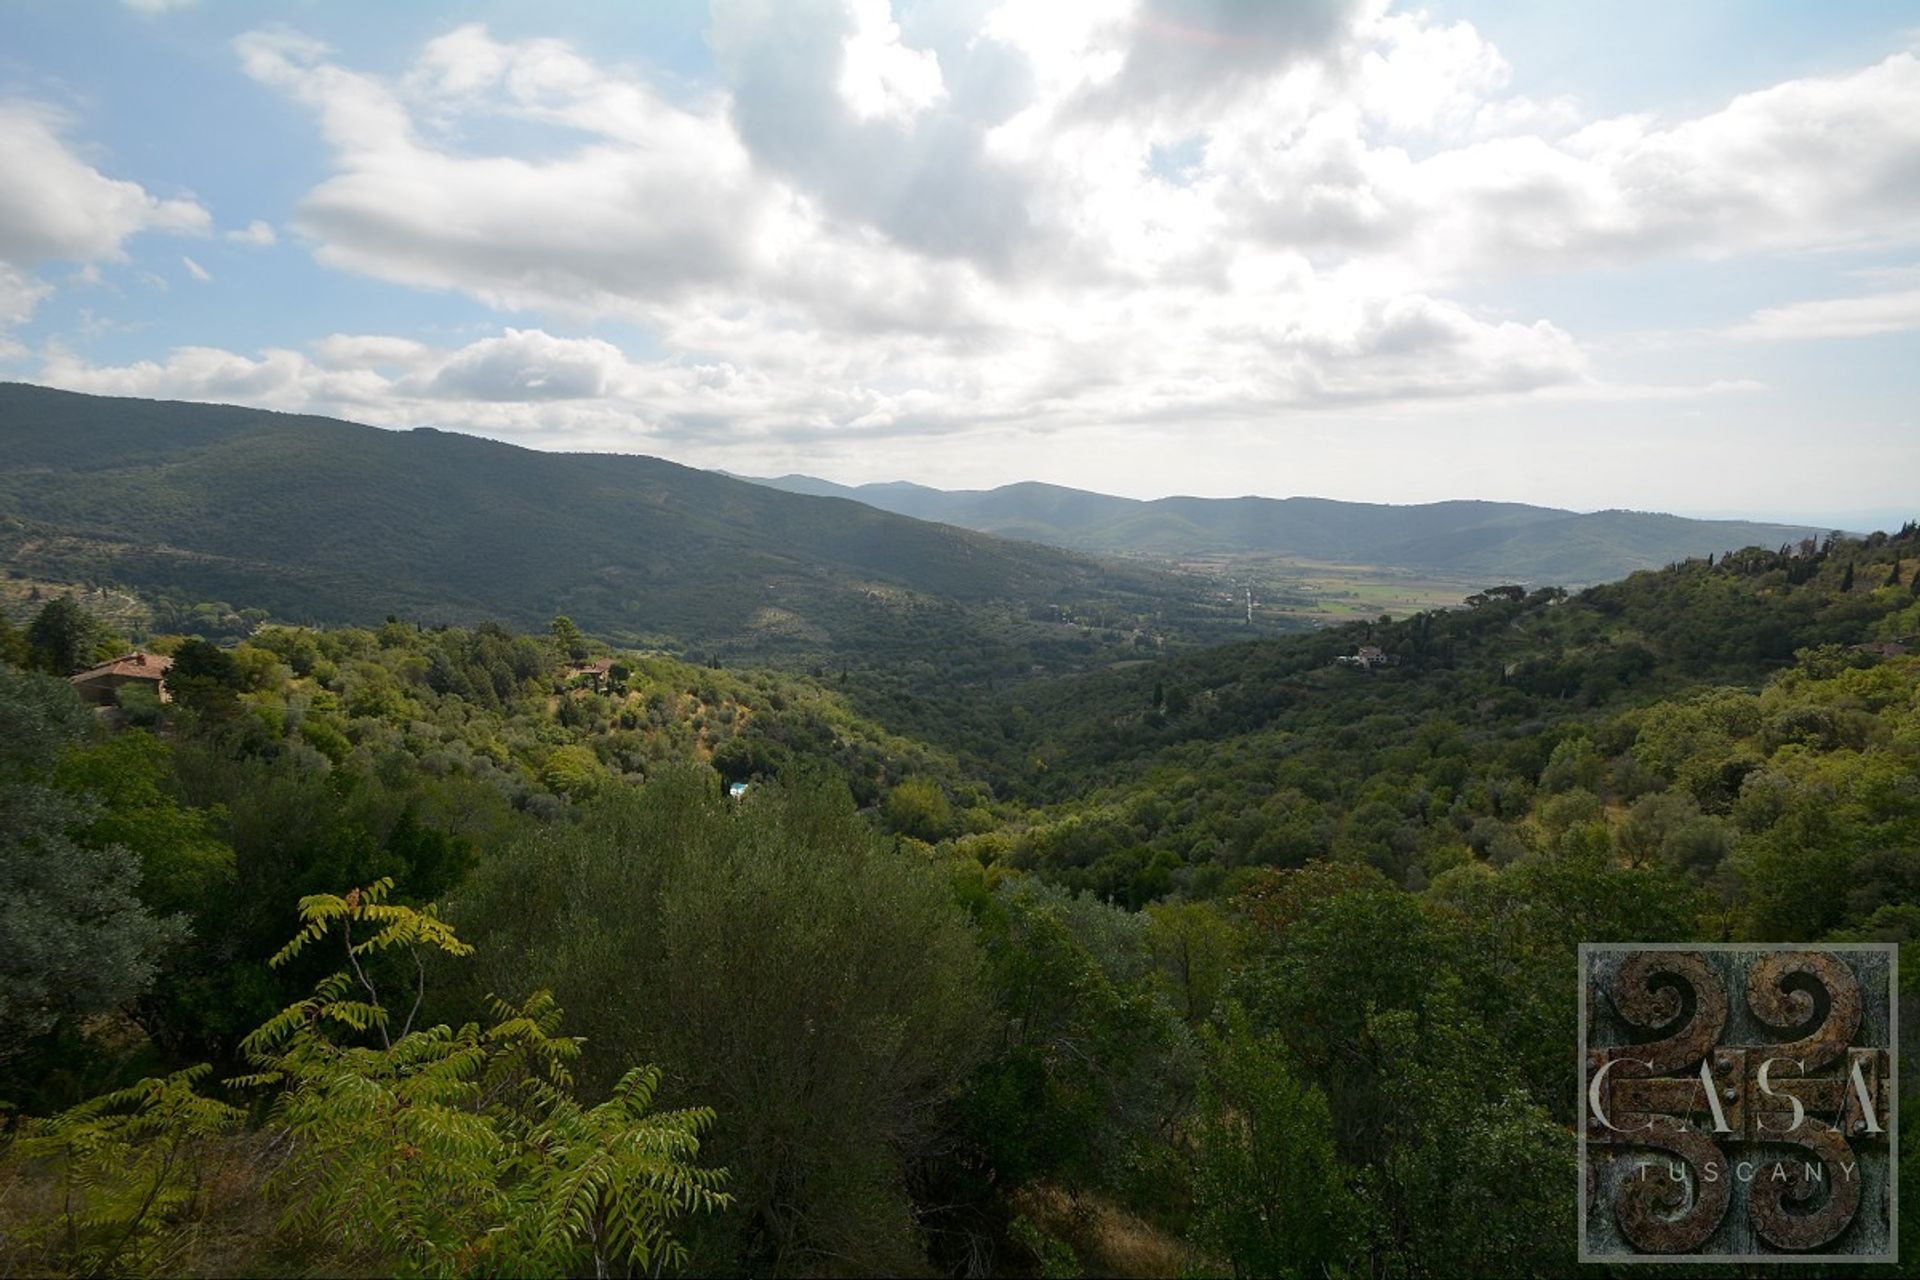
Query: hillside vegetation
x=1244 y=961
x=321 y=521
x=1493 y=541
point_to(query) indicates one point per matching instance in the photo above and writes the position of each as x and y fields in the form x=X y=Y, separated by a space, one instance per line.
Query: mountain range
x=325 y=521
x=1508 y=541
x=319 y=520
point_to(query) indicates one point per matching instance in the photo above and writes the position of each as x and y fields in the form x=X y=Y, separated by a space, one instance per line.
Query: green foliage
x=63 y=637
x=574 y=772
x=919 y=808
x=815 y=986
x=1196 y=948
x=567 y=638
x=1055 y=1257
x=183 y=861
x=1092 y=1064
x=461 y=1152
x=1269 y=1196
x=310 y=518
x=1474 y=1176
x=128 y=1172
x=15 y=649
x=75 y=938
x=1216 y=914
x=438 y=1152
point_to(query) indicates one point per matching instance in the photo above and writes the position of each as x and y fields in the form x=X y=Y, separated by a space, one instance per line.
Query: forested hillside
x=1500 y=541
x=1247 y=961
x=322 y=521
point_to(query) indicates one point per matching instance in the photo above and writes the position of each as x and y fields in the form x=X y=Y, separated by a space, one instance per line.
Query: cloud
x=56 y=206
x=158 y=6
x=843 y=218
x=880 y=78
x=1124 y=215
x=530 y=365
x=195 y=270
x=255 y=235
x=370 y=351
x=1858 y=317
x=19 y=295
x=656 y=200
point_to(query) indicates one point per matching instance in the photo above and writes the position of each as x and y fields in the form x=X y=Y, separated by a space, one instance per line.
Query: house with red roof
x=101 y=684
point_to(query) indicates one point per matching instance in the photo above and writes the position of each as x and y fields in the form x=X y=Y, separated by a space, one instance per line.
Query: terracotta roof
x=136 y=666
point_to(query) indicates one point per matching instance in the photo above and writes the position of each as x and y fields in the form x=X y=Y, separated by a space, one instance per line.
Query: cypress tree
x=1846 y=579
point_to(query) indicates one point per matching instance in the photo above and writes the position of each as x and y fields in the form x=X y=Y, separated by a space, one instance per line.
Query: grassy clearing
x=1286 y=589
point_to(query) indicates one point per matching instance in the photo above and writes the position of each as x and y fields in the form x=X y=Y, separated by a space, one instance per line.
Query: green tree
x=1269 y=1196
x=1195 y=947
x=574 y=772
x=1092 y=1067
x=63 y=637
x=1473 y=1177
x=567 y=639
x=779 y=962
x=918 y=807
x=74 y=935
x=15 y=651
x=183 y=861
x=431 y=1152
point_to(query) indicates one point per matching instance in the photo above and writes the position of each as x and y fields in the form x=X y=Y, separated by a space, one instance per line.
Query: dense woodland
x=432 y=949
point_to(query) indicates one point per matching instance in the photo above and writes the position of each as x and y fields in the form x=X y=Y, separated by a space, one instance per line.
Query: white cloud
x=158 y=6
x=886 y=224
x=19 y=295
x=195 y=270
x=370 y=351
x=1857 y=317
x=255 y=235
x=55 y=206
x=803 y=241
x=528 y=364
x=880 y=78
x=661 y=199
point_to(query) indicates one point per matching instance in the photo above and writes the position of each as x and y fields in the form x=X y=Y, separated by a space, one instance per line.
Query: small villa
x=100 y=685
x=599 y=673
x=1366 y=658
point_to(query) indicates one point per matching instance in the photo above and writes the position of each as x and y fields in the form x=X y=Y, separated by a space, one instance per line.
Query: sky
x=1663 y=256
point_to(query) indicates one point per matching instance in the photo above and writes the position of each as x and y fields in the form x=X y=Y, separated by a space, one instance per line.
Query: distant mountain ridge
x=320 y=520
x=1462 y=538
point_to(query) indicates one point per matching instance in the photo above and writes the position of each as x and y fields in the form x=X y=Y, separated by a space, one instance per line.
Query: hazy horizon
x=1863 y=521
